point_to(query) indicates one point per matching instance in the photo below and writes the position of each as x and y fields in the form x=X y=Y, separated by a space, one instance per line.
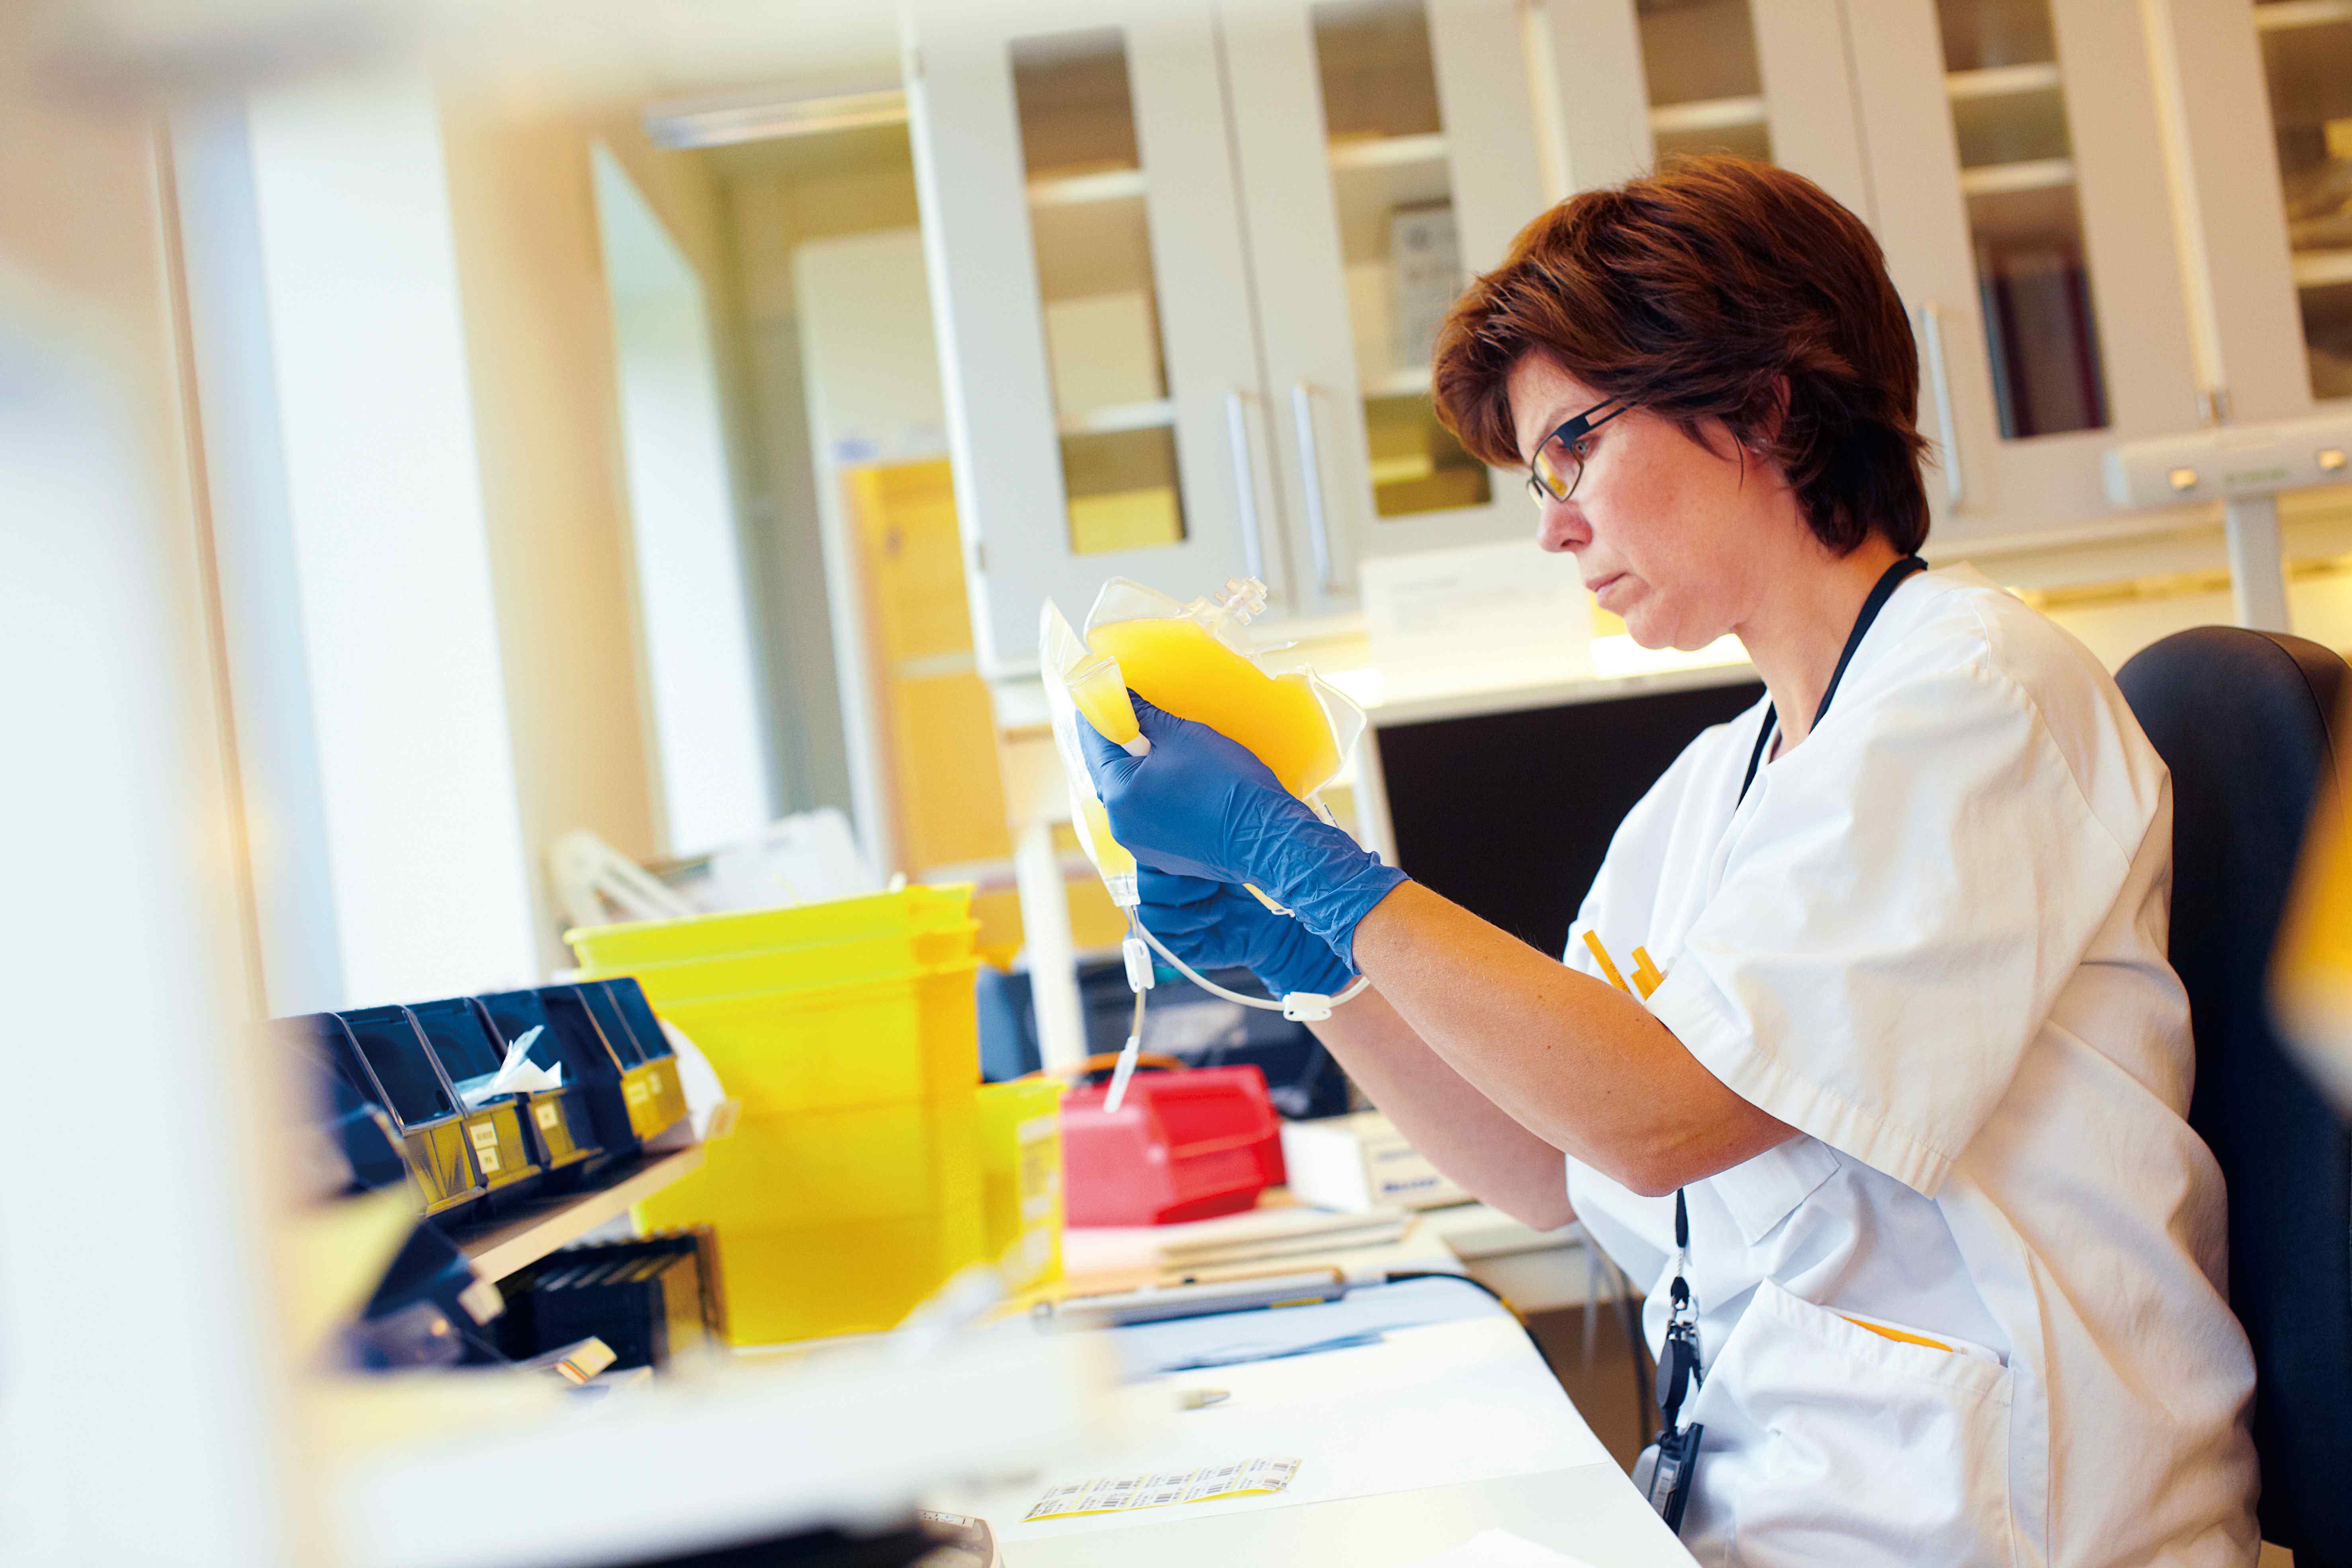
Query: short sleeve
x=1915 y=885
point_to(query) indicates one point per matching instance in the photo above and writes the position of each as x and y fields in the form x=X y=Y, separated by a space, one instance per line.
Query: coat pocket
x=1828 y=1441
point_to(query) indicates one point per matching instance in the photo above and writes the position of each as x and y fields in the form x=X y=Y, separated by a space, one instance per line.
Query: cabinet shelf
x=2319 y=269
x=1154 y=415
x=2003 y=81
x=1707 y=115
x=525 y=1239
x=1389 y=151
x=1079 y=190
x=2032 y=174
x=2285 y=13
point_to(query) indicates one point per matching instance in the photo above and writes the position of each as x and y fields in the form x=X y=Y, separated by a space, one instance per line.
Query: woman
x=1914 y=1079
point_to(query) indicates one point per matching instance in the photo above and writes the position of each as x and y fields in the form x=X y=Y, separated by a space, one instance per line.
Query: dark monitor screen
x=1509 y=814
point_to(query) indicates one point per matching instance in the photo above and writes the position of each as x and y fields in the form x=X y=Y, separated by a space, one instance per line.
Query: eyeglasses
x=1559 y=462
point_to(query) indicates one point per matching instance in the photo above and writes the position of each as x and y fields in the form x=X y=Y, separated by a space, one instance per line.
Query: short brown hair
x=1692 y=292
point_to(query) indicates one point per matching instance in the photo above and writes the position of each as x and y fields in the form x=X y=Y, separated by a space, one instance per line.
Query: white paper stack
x=1359 y=1164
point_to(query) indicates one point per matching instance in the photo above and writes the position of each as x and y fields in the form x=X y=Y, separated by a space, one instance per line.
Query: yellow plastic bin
x=805 y=1282
x=875 y=1162
x=824 y=1047
x=794 y=968
x=1021 y=1178
x=836 y=1221
x=928 y=922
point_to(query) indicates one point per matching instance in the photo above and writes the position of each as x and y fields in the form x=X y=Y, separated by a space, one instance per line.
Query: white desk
x=1449 y=1424
x=1539 y=1271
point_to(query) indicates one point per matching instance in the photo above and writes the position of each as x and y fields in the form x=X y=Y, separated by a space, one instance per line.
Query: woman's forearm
x=1578 y=1064
x=1445 y=1117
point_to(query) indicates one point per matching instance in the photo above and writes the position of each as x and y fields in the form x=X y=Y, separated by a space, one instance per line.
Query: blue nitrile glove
x=1216 y=925
x=1203 y=805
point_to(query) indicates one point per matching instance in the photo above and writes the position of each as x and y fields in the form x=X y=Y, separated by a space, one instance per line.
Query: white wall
x=872 y=366
x=693 y=606
x=383 y=510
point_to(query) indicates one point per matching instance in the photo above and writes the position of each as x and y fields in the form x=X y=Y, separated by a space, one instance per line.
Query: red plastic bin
x=1184 y=1146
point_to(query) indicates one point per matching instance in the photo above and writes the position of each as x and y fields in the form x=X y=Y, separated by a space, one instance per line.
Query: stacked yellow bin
x=853 y=1185
x=1021 y=1186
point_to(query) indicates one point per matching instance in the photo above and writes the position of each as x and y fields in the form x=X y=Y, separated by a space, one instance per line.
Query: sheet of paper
x=1499 y=1549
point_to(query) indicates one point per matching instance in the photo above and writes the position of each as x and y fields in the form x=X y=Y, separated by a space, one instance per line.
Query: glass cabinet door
x=1388 y=152
x=1092 y=238
x=1105 y=415
x=2025 y=220
x=2306 y=54
x=2019 y=190
x=1634 y=82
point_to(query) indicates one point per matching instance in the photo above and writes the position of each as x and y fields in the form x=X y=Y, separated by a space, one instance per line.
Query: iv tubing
x=1348 y=994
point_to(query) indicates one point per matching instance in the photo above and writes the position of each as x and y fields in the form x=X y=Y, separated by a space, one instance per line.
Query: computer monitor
x=1510 y=814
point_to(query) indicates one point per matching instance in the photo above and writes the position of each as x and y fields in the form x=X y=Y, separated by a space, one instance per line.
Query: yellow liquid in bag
x=1175 y=664
x=1111 y=858
x=1101 y=695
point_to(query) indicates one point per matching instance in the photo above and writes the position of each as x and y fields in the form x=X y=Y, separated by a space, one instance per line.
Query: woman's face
x=1667 y=534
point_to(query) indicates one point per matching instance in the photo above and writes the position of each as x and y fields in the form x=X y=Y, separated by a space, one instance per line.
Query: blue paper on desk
x=1360 y=1317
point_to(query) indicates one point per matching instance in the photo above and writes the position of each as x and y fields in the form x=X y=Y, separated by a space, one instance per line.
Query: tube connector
x=1140 y=976
x=1243 y=598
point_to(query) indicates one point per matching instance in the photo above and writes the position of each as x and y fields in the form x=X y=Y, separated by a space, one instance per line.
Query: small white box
x=1362 y=1163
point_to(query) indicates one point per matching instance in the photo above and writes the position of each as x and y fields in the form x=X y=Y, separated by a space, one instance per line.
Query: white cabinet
x=1388 y=152
x=1635 y=81
x=2266 y=120
x=2019 y=184
x=1185 y=265
x=1104 y=410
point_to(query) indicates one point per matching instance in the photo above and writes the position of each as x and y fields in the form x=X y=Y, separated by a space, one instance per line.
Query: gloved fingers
x=1200 y=947
x=1162 y=860
x=1174 y=889
x=1156 y=723
x=1106 y=759
x=1169 y=921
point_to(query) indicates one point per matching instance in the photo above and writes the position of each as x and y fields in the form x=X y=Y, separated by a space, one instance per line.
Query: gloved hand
x=1203 y=805
x=1216 y=925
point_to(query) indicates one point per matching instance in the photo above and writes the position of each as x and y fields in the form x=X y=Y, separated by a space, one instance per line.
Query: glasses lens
x=1556 y=469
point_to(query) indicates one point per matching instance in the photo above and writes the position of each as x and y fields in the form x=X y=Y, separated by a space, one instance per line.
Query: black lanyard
x=1883 y=590
x=1679 y=1371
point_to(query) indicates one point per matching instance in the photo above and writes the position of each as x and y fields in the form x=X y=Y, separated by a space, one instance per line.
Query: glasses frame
x=1569 y=431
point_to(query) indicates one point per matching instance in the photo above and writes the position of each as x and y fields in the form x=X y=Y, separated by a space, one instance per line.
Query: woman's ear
x=1773 y=413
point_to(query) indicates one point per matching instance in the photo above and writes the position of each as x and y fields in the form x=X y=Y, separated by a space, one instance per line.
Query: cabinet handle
x=1310 y=458
x=1244 y=484
x=1948 y=436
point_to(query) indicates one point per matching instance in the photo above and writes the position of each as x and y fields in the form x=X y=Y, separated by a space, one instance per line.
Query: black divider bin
x=666 y=1092
x=423 y=1112
x=576 y=1040
x=466 y=1041
x=394 y=1045
x=647 y=1299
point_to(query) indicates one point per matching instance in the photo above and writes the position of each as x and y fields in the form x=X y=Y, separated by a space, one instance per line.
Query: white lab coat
x=1932 y=938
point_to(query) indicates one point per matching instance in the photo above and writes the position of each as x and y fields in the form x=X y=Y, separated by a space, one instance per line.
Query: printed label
x=484 y=1134
x=1040 y=1139
x=547 y=1116
x=636 y=1091
x=489 y=1159
x=1244 y=1477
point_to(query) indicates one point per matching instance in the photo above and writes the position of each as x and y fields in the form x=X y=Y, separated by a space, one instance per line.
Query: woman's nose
x=1559 y=526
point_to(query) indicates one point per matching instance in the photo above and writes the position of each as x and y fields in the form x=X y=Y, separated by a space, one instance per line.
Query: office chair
x=2250 y=723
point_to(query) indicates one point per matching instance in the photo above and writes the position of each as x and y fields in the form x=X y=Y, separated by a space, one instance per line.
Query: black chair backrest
x=2247 y=723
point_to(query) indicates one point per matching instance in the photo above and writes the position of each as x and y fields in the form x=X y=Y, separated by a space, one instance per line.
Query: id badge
x=1669 y=1481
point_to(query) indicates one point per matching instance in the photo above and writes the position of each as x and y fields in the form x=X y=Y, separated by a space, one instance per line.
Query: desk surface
x=1450 y=1419
x=1539 y=1271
